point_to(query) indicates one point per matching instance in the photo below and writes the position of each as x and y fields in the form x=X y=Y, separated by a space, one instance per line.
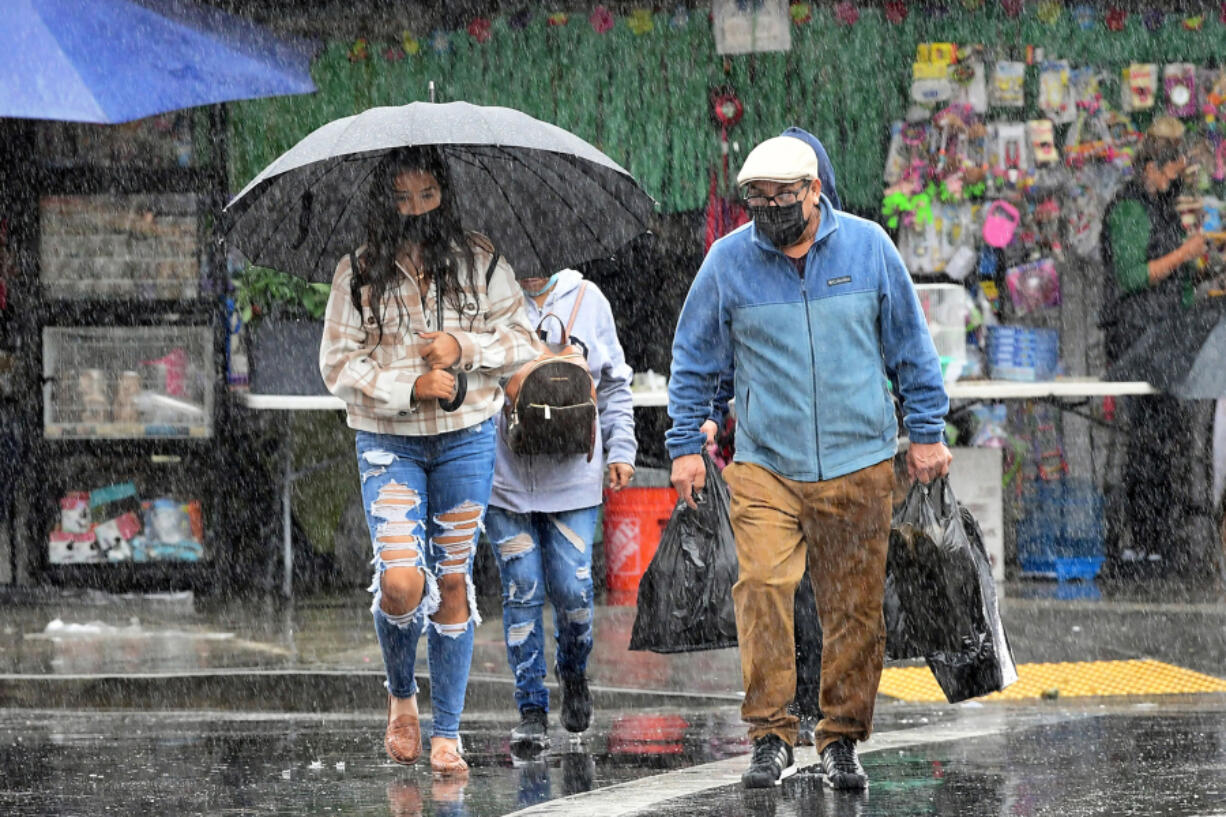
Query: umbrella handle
x=461 y=390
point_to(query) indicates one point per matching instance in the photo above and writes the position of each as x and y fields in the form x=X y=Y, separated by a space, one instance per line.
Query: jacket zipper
x=817 y=434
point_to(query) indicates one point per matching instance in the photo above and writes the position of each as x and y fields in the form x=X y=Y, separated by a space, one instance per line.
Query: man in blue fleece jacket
x=807 y=629
x=815 y=313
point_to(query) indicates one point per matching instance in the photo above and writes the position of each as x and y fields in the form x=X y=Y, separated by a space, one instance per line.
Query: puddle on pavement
x=188 y=763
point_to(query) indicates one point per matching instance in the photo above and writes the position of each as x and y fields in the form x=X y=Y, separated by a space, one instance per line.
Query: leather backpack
x=550 y=403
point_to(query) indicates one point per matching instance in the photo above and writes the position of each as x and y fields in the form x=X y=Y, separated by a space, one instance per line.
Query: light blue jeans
x=437 y=486
x=544 y=556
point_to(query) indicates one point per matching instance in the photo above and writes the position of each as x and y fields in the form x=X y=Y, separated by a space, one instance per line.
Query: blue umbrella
x=111 y=61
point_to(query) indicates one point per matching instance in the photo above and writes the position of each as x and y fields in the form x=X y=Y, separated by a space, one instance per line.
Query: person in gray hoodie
x=542 y=518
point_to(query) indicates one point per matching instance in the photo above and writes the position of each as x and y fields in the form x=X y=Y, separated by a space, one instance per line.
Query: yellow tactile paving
x=1066 y=680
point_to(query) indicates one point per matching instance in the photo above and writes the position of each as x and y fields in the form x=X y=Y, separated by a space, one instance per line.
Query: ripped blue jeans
x=544 y=556
x=425 y=500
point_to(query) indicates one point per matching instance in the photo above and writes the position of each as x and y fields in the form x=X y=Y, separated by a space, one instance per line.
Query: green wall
x=644 y=99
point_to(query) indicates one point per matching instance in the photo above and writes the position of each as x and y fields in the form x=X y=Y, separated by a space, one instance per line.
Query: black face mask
x=426 y=228
x=782 y=226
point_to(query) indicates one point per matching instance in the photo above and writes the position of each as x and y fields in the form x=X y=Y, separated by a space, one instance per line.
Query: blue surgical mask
x=553 y=279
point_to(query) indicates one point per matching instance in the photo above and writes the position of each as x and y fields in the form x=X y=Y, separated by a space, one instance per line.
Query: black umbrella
x=1184 y=355
x=548 y=199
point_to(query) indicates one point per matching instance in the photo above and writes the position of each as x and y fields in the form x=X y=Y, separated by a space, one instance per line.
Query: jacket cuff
x=468 y=350
x=410 y=381
x=682 y=448
x=622 y=452
x=926 y=437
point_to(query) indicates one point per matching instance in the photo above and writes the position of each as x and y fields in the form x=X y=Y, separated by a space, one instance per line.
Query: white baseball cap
x=779 y=159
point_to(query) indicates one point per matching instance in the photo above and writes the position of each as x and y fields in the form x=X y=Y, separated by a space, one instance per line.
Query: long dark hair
x=377 y=266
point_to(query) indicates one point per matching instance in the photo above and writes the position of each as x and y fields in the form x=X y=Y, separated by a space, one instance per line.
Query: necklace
x=419 y=275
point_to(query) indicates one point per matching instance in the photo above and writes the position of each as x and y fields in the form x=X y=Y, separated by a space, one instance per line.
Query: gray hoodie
x=552 y=484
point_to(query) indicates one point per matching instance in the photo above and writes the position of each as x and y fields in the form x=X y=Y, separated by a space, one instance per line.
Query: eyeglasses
x=782 y=199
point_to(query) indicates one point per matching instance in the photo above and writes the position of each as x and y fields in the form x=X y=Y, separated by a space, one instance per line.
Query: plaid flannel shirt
x=376 y=381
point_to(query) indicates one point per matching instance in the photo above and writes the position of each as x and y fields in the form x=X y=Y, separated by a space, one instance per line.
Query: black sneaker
x=772 y=763
x=576 y=703
x=532 y=734
x=841 y=766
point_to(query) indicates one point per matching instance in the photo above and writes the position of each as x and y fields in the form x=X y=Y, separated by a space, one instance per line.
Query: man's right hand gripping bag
x=685 y=595
x=940 y=599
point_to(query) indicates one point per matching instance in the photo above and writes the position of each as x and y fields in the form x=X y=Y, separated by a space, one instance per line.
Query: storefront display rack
x=122 y=472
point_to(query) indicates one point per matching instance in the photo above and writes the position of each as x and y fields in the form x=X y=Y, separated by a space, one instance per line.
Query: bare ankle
x=404 y=706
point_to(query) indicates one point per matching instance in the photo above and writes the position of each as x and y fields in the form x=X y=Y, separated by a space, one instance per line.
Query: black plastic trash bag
x=685 y=595
x=940 y=599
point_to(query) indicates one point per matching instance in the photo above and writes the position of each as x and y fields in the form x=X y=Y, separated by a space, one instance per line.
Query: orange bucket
x=634 y=519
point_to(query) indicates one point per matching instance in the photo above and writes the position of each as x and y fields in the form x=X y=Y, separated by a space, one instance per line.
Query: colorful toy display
x=111 y=524
x=999 y=197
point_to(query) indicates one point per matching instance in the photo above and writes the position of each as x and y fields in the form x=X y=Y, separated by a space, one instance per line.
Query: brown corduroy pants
x=844 y=523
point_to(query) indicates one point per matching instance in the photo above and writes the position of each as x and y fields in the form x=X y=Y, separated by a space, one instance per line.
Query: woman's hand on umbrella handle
x=442 y=350
x=436 y=384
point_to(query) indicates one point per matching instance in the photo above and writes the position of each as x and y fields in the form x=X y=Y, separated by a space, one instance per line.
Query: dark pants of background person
x=808 y=633
x=1155 y=476
x=839 y=528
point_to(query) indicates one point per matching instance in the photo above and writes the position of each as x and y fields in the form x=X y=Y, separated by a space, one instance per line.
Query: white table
x=326 y=402
x=1065 y=387
x=961 y=390
x=982 y=390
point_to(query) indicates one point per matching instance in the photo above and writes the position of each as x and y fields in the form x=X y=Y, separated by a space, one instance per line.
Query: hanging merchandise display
x=1042 y=141
x=970 y=86
x=1033 y=286
x=999 y=224
x=1056 y=92
x=1139 y=85
x=1179 y=84
x=930 y=81
x=1008 y=84
x=1002 y=207
x=745 y=28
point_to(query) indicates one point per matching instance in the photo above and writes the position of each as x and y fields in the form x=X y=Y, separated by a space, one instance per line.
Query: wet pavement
x=99 y=634
x=174 y=704
x=327 y=643
x=186 y=763
x=1151 y=757
x=1144 y=759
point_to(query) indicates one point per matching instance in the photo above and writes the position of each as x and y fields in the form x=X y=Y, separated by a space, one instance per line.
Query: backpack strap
x=574 y=312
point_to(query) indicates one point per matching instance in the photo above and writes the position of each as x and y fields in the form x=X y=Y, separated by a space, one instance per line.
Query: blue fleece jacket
x=813 y=355
x=552 y=484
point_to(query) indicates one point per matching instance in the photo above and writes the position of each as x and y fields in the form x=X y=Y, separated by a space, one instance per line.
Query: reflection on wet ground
x=1140 y=761
x=210 y=763
x=57 y=762
x=1149 y=758
x=102 y=634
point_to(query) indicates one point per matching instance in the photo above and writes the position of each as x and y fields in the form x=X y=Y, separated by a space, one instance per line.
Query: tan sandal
x=445 y=760
x=403 y=738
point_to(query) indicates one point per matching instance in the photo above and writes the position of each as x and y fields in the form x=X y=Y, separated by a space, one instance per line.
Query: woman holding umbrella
x=422 y=320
